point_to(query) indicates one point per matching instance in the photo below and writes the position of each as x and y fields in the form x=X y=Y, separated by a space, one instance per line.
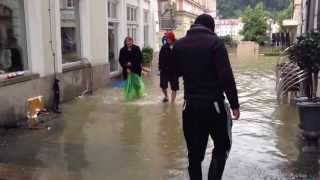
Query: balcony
x=167 y=24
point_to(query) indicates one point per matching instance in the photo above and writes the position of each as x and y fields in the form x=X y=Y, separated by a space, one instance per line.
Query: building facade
x=133 y=18
x=179 y=15
x=310 y=15
x=76 y=41
x=229 y=27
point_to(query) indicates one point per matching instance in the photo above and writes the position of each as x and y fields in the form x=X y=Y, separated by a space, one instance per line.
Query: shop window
x=13 y=48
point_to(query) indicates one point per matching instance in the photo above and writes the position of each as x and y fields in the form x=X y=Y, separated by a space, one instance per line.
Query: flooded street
x=103 y=138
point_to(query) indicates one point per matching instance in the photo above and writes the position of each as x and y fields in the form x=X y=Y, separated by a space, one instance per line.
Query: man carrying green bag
x=134 y=87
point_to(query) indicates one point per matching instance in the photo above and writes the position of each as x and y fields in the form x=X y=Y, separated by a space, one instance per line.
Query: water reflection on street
x=102 y=137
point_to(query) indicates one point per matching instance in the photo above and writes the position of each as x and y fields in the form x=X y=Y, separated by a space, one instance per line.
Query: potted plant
x=147 y=57
x=306 y=53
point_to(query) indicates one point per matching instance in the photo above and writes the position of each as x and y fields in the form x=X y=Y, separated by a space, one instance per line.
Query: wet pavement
x=103 y=138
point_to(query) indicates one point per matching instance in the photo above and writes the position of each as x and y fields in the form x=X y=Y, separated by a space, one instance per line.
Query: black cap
x=205 y=20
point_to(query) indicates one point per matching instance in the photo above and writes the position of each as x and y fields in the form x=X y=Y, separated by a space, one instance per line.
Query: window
x=13 y=48
x=131 y=14
x=112 y=10
x=132 y=31
x=146 y=35
x=113 y=52
x=70 y=4
x=70 y=33
x=146 y=28
x=132 y=22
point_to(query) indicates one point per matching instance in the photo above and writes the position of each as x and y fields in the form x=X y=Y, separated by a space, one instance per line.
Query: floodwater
x=103 y=138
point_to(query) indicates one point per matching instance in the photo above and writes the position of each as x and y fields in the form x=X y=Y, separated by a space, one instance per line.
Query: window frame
x=132 y=14
x=77 y=35
x=24 y=46
x=69 y=6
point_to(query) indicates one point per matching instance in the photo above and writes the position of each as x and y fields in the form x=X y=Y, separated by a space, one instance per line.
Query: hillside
x=234 y=8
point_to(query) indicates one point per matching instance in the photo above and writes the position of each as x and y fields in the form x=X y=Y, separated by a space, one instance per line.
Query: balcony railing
x=168 y=24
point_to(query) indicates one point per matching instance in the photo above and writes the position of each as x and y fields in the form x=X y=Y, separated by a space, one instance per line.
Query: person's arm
x=160 y=65
x=177 y=65
x=226 y=77
x=122 y=59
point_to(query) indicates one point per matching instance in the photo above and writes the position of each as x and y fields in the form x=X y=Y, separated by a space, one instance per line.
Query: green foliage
x=284 y=14
x=273 y=52
x=228 y=40
x=233 y=8
x=147 y=55
x=255 y=24
x=306 y=52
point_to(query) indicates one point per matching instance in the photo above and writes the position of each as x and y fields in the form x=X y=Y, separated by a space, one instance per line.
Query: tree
x=231 y=8
x=284 y=14
x=255 y=24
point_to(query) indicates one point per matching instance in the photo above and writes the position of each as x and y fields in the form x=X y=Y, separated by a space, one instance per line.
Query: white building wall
x=35 y=42
x=98 y=32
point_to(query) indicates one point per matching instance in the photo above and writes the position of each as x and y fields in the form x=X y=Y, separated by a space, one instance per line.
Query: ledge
x=19 y=79
x=75 y=66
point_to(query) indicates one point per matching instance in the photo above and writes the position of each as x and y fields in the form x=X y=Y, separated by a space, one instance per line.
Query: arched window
x=13 y=54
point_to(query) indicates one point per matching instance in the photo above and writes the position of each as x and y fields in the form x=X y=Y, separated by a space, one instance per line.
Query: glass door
x=113 y=52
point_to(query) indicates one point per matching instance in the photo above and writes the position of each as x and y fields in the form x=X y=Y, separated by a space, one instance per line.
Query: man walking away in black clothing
x=167 y=68
x=203 y=62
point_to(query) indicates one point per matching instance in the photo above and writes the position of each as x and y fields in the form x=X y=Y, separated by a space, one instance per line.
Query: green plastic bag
x=134 y=87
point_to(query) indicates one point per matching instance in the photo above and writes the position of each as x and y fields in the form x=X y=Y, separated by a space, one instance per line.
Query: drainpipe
x=56 y=86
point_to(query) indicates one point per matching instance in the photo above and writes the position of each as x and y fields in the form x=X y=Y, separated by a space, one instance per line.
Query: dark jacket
x=134 y=57
x=203 y=62
x=166 y=61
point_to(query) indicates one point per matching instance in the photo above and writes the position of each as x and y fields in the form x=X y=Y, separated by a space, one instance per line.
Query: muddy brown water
x=103 y=138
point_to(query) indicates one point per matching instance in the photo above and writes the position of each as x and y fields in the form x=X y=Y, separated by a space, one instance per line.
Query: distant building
x=179 y=15
x=229 y=27
x=294 y=25
x=305 y=18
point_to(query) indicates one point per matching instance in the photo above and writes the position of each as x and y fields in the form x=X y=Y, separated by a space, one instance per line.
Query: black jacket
x=134 y=57
x=166 y=61
x=202 y=60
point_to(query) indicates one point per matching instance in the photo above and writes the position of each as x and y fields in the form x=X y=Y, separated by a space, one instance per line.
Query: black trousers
x=200 y=120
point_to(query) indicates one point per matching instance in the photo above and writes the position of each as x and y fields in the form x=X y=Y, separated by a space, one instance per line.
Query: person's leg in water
x=173 y=96
x=164 y=86
x=221 y=135
x=196 y=132
x=165 y=93
x=174 y=83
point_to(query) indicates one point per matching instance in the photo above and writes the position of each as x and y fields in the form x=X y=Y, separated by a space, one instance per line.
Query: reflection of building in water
x=179 y=15
x=12 y=36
